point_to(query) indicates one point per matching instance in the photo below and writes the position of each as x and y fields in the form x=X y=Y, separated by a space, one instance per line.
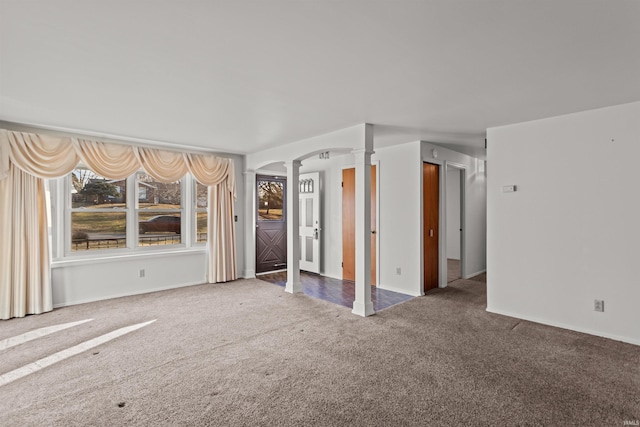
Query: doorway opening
x=271 y=223
x=455 y=180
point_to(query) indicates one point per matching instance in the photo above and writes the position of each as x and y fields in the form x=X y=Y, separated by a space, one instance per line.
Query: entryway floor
x=341 y=292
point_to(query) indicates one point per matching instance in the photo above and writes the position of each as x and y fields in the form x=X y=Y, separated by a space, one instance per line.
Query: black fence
x=121 y=242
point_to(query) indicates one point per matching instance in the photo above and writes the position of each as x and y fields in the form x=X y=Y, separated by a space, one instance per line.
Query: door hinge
x=342 y=184
x=342 y=264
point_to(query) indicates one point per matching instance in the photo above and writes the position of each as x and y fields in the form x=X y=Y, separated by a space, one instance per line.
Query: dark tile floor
x=341 y=292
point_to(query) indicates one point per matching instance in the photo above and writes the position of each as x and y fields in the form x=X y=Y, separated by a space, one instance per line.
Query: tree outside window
x=270 y=194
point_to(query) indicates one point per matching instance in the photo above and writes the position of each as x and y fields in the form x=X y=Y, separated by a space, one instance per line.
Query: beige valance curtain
x=27 y=159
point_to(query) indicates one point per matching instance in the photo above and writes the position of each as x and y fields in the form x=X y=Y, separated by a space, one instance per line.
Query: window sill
x=108 y=258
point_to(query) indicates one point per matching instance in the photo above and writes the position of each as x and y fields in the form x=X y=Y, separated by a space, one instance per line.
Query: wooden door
x=349 y=224
x=430 y=212
x=271 y=225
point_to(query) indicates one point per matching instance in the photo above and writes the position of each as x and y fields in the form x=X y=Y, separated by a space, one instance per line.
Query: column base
x=293 y=288
x=249 y=274
x=362 y=309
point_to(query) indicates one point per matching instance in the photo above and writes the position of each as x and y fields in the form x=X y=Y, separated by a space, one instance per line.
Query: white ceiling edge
x=106 y=137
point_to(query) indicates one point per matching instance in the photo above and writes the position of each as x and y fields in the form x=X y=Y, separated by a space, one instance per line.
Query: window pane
x=98 y=230
x=159 y=228
x=201 y=203
x=202 y=195
x=309 y=249
x=201 y=227
x=90 y=190
x=270 y=200
x=309 y=213
x=153 y=194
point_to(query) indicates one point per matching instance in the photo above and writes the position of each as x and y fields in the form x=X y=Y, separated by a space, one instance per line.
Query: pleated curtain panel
x=27 y=159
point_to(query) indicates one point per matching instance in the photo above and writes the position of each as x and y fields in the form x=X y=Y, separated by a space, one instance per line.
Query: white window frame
x=61 y=210
x=64 y=235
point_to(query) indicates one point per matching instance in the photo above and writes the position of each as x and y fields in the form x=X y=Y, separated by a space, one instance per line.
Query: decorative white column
x=249 y=224
x=293 y=227
x=362 y=305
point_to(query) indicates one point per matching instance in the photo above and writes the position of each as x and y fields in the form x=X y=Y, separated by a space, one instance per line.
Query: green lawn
x=115 y=222
x=99 y=222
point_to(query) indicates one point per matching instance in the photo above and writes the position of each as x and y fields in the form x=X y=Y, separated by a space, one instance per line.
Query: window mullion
x=132 y=212
x=65 y=199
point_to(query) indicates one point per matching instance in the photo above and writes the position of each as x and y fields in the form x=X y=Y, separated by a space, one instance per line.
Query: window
x=201 y=204
x=98 y=213
x=159 y=211
x=102 y=215
x=270 y=195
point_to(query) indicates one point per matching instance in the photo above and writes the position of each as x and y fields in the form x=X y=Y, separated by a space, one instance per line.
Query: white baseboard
x=126 y=294
x=565 y=326
x=399 y=290
x=330 y=276
x=469 y=276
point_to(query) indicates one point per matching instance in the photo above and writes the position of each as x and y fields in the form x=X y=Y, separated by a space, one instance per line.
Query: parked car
x=167 y=223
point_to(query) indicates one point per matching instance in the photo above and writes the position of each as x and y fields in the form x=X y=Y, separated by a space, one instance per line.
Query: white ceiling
x=240 y=76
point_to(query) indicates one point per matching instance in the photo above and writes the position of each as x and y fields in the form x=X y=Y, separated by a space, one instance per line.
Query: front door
x=271 y=224
x=349 y=224
x=310 y=222
x=430 y=216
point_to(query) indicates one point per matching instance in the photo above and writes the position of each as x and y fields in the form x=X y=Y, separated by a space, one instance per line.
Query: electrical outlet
x=398 y=271
x=598 y=305
x=141 y=272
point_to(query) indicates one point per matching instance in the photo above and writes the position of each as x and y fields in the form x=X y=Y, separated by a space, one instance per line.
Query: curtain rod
x=105 y=137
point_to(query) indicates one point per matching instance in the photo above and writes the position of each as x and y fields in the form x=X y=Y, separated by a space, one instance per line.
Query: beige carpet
x=246 y=353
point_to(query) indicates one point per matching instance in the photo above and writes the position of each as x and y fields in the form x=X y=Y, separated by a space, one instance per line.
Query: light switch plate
x=598 y=305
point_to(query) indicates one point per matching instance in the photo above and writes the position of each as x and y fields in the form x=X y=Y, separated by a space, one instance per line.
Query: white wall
x=453 y=213
x=570 y=233
x=400 y=218
x=92 y=280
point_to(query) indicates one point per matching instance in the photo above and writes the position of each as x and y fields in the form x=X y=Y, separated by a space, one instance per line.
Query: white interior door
x=310 y=222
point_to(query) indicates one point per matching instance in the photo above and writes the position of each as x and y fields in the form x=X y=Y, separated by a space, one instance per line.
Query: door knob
x=373 y=231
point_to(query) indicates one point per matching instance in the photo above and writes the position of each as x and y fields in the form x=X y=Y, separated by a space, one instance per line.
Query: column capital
x=362 y=150
x=249 y=172
x=292 y=164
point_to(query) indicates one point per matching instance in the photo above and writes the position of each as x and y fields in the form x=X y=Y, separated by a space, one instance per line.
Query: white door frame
x=462 y=169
